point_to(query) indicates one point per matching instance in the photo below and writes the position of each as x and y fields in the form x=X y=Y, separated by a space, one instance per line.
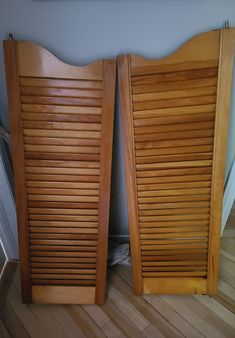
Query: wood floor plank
x=103 y=321
x=226 y=315
x=71 y=328
x=25 y=314
x=191 y=316
x=164 y=309
x=127 y=309
x=52 y=327
x=119 y=319
x=83 y=320
x=153 y=316
x=173 y=317
x=211 y=318
x=3 y=331
x=11 y=320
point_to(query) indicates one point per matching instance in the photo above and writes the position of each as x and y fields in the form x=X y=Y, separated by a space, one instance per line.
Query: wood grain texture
x=173 y=108
x=130 y=168
x=227 y=42
x=12 y=76
x=62 y=131
x=109 y=78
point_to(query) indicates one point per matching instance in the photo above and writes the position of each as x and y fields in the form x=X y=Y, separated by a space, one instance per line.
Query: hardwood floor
x=127 y=315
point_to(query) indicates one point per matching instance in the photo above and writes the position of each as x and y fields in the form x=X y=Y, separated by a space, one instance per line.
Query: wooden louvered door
x=62 y=125
x=174 y=120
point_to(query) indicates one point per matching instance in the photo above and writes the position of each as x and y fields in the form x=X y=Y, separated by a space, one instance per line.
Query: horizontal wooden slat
x=179 y=211
x=37 y=108
x=179 y=75
x=165 y=254
x=143 y=134
x=153 y=238
x=67 y=250
x=62 y=191
x=63 y=198
x=173 y=144
x=156 y=87
x=69 y=229
x=53 y=254
x=158 y=223
x=32 y=155
x=178 y=135
x=60 y=83
x=61 y=133
x=173 y=158
x=61 y=211
x=84 y=218
x=174 y=217
x=175 y=172
x=62 y=126
x=68 y=185
x=81 y=118
x=154 y=232
x=64 y=271
x=62 y=171
x=62 y=254
x=42 y=246
x=62 y=276
x=62 y=260
x=60 y=92
x=61 y=178
x=177 y=274
x=63 y=265
x=172 y=111
x=66 y=101
x=64 y=242
x=153 y=244
x=175 y=150
x=61 y=141
x=179 y=93
x=62 y=164
x=166 y=120
x=176 y=192
x=197 y=267
x=178 y=185
x=174 y=205
x=174 y=179
x=175 y=263
x=65 y=283
x=179 y=245
x=178 y=102
x=167 y=199
x=63 y=205
x=85 y=239
x=168 y=165
x=68 y=224
x=67 y=192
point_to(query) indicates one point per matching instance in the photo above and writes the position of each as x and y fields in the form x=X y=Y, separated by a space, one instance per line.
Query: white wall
x=81 y=31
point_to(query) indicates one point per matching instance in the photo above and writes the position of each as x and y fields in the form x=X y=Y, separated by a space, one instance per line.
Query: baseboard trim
x=229 y=197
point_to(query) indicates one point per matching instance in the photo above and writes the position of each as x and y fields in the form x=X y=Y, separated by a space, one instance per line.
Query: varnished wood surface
x=174 y=136
x=62 y=128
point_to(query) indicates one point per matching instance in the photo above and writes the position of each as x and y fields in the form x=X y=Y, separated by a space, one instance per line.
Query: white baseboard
x=229 y=197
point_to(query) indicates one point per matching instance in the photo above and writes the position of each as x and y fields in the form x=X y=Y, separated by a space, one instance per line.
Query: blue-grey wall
x=81 y=31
